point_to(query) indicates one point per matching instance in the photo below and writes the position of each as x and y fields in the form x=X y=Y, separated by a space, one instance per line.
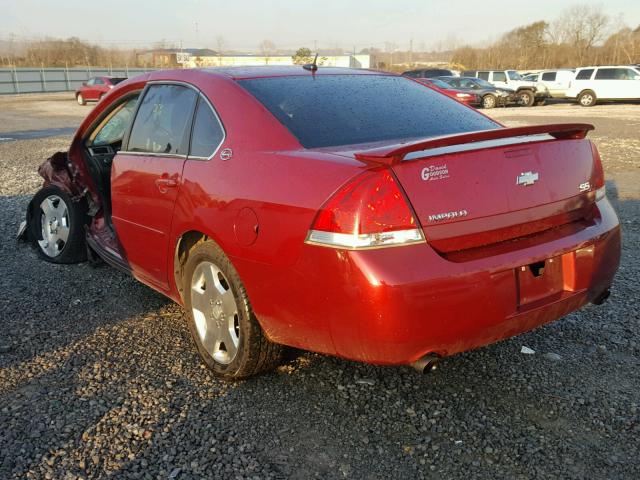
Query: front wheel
x=587 y=98
x=80 y=99
x=489 y=101
x=56 y=226
x=226 y=333
x=526 y=98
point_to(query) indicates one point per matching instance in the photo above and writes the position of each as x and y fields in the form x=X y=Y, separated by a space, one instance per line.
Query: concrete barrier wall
x=37 y=80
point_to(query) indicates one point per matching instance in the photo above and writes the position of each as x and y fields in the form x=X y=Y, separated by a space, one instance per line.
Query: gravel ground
x=98 y=377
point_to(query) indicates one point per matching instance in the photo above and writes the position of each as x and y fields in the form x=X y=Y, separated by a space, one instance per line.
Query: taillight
x=598 y=174
x=369 y=211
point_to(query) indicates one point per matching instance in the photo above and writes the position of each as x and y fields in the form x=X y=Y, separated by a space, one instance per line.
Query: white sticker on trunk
x=435 y=172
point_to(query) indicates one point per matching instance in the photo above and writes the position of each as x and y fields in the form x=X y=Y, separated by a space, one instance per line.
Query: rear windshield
x=117 y=80
x=332 y=110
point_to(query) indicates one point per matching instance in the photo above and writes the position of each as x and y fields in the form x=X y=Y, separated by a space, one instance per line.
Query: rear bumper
x=394 y=305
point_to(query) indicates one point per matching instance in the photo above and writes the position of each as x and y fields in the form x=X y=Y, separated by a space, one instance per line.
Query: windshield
x=483 y=83
x=439 y=83
x=331 y=110
x=513 y=75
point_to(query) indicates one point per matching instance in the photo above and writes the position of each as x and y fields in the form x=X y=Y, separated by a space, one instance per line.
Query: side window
x=606 y=74
x=483 y=75
x=99 y=81
x=584 y=74
x=161 y=123
x=115 y=125
x=411 y=74
x=499 y=77
x=207 y=132
x=549 y=76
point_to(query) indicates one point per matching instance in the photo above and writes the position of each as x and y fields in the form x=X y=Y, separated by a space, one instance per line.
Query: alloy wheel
x=55 y=225
x=586 y=99
x=215 y=312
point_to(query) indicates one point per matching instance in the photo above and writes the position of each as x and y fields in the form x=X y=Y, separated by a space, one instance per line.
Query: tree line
x=70 y=52
x=581 y=36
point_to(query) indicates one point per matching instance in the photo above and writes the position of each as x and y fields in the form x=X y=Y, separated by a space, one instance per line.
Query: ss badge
x=584 y=187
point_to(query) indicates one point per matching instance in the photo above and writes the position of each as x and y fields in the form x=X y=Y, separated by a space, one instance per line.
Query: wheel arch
x=183 y=246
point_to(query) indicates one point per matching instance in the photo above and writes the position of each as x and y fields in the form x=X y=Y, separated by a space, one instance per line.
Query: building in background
x=204 y=57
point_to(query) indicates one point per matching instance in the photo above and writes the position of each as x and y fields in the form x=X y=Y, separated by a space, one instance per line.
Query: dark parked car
x=95 y=88
x=490 y=96
x=464 y=96
x=428 y=73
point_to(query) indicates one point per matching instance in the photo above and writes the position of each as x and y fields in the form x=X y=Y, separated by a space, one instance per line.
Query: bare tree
x=267 y=48
x=582 y=27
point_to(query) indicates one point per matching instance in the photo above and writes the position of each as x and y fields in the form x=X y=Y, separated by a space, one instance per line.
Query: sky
x=244 y=24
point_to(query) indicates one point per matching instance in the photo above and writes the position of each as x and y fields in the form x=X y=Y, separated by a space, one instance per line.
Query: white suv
x=605 y=83
x=556 y=81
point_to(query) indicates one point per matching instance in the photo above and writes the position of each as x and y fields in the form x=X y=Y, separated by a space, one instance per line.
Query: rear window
x=117 y=80
x=615 y=74
x=332 y=110
x=483 y=75
x=584 y=74
x=549 y=76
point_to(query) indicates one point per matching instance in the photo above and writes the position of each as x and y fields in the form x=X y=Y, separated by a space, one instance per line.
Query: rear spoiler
x=393 y=154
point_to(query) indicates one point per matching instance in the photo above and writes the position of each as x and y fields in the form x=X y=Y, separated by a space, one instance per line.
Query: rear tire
x=224 y=328
x=587 y=98
x=80 y=99
x=526 y=98
x=56 y=226
x=489 y=101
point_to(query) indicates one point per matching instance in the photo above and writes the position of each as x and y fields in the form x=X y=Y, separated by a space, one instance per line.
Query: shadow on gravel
x=100 y=379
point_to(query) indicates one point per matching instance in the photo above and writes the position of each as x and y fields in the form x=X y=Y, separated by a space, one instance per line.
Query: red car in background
x=95 y=88
x=468 y=98
x=350 y=212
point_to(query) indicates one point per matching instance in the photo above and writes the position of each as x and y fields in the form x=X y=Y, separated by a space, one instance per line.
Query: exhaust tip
x=426 y=364
x=601 y=298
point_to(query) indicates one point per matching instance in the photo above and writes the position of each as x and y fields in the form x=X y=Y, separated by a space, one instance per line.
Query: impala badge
x=527 y=178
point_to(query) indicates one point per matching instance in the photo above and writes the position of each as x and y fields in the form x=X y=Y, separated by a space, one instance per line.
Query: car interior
x=102 y=144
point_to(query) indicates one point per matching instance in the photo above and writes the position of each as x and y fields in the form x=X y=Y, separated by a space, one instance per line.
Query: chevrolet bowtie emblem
x=527 y=178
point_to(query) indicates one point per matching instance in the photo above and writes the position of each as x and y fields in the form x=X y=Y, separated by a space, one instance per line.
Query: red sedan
x=349 y=212
x=466 y=97
x=95 y=88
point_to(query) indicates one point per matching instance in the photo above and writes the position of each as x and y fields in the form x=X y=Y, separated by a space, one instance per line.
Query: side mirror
x=84 y=84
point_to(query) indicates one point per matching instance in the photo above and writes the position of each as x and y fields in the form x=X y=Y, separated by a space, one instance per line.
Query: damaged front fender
x=55 y=170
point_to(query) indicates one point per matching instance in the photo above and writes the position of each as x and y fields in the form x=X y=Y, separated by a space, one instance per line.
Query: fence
x=34 y=80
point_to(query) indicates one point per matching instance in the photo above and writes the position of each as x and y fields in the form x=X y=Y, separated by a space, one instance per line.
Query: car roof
x=241 y=73
x=608 y=66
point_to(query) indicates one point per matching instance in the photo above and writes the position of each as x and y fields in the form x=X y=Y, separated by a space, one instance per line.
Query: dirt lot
x=98 y=376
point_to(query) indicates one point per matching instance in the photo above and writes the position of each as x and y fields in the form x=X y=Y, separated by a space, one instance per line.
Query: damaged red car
x=348 y=212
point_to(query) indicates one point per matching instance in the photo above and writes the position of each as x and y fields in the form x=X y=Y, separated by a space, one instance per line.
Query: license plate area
x=539 y=281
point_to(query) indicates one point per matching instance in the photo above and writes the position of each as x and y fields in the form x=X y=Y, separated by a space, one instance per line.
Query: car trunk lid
x=476 y=189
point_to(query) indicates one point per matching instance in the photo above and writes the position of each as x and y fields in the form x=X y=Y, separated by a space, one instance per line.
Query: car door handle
x=164 y=183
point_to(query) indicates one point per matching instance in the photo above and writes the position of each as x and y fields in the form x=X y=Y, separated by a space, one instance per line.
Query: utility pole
x=411 y=52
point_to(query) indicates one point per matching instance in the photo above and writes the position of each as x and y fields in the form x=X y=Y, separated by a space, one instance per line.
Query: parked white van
x=557 y=82
x=605 y=83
